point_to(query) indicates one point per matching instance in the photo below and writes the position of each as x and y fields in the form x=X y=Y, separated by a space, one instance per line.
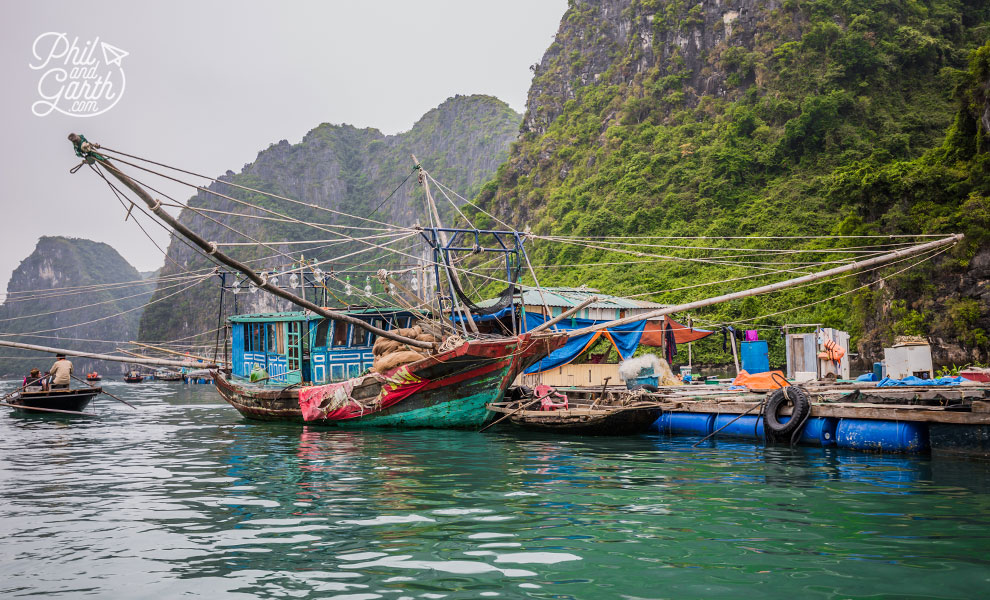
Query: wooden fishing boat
x=448 y=390
x=133 y=377
x=610 y=414
x=94 y=376
x=64 y=399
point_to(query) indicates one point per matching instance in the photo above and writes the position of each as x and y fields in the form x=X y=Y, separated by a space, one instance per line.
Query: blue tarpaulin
x=912 y=380
x=867 y=377
x=624 y=337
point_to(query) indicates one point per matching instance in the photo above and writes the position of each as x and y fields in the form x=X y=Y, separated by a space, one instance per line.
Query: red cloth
x=653 y=333
x=334 y=402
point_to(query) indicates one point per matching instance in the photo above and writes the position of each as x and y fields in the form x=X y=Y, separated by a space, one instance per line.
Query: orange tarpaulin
x=653 y=333
x=770 y=380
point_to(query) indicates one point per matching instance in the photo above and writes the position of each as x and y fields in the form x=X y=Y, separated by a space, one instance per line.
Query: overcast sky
x=209 y=84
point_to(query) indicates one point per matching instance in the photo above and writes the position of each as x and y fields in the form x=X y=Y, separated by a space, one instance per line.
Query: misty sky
x=209 y=84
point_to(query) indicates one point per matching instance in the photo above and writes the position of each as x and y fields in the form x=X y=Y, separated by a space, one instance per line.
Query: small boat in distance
x=133 y=377
x=62 y=399
x=166 y=375
x=94 y=376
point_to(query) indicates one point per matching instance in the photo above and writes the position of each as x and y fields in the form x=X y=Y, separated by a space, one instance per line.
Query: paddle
x=105 y=392
x=54 y=410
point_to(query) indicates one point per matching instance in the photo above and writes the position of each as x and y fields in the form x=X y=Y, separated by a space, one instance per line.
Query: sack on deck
x=395 y=359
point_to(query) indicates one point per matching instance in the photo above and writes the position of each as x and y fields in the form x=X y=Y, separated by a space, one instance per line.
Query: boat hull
x=461 y=383
x=74 y=400
x=620 y=421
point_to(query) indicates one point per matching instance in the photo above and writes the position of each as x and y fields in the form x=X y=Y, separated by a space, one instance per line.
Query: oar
x=54 y=410
x=104 y=391
x=507 y=415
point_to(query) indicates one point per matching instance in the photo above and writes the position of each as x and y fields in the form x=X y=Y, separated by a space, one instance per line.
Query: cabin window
x=322 y=329
x=257 y=337
x=292 y=333
x=360 y=336
x=379 y=323
x=270 y=337
x=246 y=332
x=280 y=339
x=339 y=333
x=404 y=321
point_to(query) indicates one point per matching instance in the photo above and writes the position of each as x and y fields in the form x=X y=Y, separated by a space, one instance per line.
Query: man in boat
x=33 y=382
x=61 y=372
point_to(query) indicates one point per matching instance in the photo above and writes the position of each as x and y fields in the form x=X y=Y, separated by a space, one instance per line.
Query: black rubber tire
x=649 y=388
x=777 y=399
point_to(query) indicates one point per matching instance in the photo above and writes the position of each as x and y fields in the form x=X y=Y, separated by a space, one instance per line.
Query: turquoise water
x=183 y=498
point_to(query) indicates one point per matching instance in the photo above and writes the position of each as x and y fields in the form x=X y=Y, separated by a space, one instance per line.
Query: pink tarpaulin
x=334 y=401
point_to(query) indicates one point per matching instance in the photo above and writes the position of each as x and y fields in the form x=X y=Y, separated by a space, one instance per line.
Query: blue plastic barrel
x=684 y=423
x=881 y=436
x=755 y=357
x=743 y=427
x=818 y=431
x=878 y=371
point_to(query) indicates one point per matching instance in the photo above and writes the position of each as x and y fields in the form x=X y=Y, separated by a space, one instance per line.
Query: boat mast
x=452 y=277
x=88 y=151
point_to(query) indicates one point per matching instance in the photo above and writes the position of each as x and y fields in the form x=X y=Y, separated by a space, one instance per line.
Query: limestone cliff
x=80 y=283
x=341 y=168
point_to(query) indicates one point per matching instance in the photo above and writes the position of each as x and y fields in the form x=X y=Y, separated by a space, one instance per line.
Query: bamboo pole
x=109 y=357
x=166 y=350
x=735 y=353
x=773 y=287
x=565 y=314
x=211 y=248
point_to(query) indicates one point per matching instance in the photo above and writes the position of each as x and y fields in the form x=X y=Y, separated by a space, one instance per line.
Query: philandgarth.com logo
x=78 y=79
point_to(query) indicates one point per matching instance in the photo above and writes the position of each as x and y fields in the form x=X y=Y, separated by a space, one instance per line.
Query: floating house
x=299 y=346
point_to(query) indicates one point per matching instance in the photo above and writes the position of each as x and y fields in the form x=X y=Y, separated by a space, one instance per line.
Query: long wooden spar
x=773 y=287
x=89 y=150
x=155 y=362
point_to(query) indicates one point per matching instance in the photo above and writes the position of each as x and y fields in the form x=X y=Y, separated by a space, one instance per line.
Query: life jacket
x=832 y=351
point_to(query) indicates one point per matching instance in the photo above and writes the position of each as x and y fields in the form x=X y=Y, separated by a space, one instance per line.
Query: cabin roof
x=305 y=315
x=567 y=297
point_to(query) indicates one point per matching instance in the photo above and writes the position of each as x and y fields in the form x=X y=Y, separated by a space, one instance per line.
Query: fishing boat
x=133 y=377
x=94 y=376
x=74 y=400
x=167 y=375
x=604 y=414
x=319 y=371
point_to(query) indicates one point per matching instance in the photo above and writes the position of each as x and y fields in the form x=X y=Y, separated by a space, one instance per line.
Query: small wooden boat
x=64 y=399
x=166 y=375
x=94 y=376
x=609 y=415
x=133 y=377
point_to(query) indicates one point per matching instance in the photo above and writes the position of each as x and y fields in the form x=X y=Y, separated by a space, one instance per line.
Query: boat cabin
x=300 y=346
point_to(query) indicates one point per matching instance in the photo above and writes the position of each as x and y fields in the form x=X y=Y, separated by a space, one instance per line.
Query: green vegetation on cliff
x=787 y=119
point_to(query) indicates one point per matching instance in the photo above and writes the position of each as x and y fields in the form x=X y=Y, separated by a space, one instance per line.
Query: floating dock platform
x=952 y=420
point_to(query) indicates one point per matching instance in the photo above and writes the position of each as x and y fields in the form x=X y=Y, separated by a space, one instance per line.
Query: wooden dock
x=955 y=419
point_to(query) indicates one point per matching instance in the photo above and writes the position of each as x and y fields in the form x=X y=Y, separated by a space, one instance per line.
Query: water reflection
x=185 y=497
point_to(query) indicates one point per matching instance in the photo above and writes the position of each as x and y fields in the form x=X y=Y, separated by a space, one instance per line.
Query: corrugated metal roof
x=565 y=297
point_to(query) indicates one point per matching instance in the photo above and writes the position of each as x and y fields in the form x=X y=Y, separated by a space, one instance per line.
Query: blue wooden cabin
x=300 y=346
